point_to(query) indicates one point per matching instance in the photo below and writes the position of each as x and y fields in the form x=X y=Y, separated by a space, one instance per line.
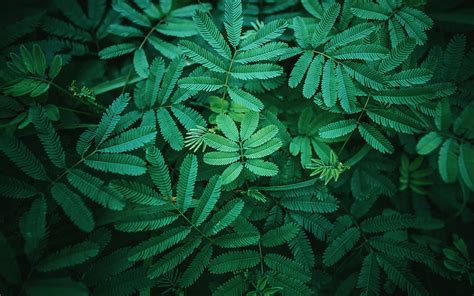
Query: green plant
x=237 y=148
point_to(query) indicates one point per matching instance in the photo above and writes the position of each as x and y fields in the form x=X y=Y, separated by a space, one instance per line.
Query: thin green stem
x=357 y=124
x=192 y=224
x=147 y=36
x=227 y=77
x=261 y=257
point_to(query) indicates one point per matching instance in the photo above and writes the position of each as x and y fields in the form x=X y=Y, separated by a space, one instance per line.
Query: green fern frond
x=123 y=164
x=280 y=235
x=234 y=261
x=22 y=157
x=208 y=30
x=95 y=189
x=69 y=256
x=197 y=266
x=186 y=182
x=73 y=207
x=158 y=244
x=14 y=188
x=340 y=246
x=233 y=21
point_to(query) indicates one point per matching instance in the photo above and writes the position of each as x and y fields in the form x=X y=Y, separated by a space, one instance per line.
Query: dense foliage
x=260 y=147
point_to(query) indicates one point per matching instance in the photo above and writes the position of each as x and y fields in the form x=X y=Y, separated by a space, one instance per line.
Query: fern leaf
x=263 y=150
x=395 y=119
x=173 y=72
x=249 y=125
x=397 y=273
x=266 y=52
x=202 y=56
x=224 y=217
x=228 y=127
x=402 y=249
x=327 y=22
x=158 y=170
x=305 y=203
x=73 y=207
x=207 y=200
x=137 y=192
x=187 y=179
x=236 y=286
x=447 y=160
x=208 y=30
x=237 y=239
x=138 y=220
x=188 y=117
x=117 y=50
x=173 y=258
x=280 y=235
x=369 y=11
x=290 y=285
x=352 y=34
x=13 y=188
x=369 y=276
x=383 y=223
x=95 y=189
x=220 y=143
x=340 y=246
x=266 y=33
x=169 y=130
x=262 y=136
x=375 y=138
x=313 y=78
x=302 y=34
x=453 y=55
x=231 y=173
x=428 y=143
x=316 y=224
x=338 y=128
x=414 y=95
x=69 y=256
x=33 y=226
x=261 y=167
x=130 y=140
x=397 y=55
x=196 y=267
x=106 y=267
x=300 y=68
x=256 y=71
x=201 y=83
x=301 y=249
x=234 y=261
x=221 y=158
x=130 y=13
x=123 y=164
x=140 y=63
x=346 y=90
x=329 y=84
x=157 y=245
x=410 y=77
x=22 y=157
x=366 y=52
x=111 y=118
x=365 y=75
x=287 y=266
x=233 y=21
x=245 y=99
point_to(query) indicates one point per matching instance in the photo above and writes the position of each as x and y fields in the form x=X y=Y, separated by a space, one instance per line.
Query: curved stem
x=147 y=36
